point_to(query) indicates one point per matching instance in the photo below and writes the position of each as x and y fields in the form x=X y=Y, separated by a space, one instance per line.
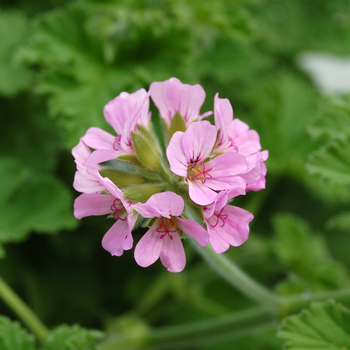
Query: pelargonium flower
x=235 y=136
x=123 y=114
x=227 y=225
x=172 y=96
x=118 y=238
x=188 y=154
x=214 y=163
x=163 y=240
x=86 y=179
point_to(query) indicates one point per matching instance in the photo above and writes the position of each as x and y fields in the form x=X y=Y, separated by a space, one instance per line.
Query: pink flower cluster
x=204 y=167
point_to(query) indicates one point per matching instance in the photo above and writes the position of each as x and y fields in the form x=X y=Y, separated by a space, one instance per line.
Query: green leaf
x=306 y=256
x=14 y=337
x=339 y=222
x=143 y=192
x=72 y=338
x=325 y=326
x=14 y=76
x=332 y=162
x=31 y=201
x=281 y=106
x=90 y=55
x=333 y=120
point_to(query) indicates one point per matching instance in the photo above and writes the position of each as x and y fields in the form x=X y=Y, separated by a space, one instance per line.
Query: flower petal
x=172 y=254
x=223 y=116
x=98 y=139
x=200 y=194
x=176 y=155
x=88 y=204
x=164 y=204
x=172 y=96
x=194 y=230
x=148 y=249
x=198 y=141
x=118 y=238
x=227 y=164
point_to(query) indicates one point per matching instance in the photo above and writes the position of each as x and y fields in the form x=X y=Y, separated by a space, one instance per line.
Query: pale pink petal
x=218 y=244
x=172 y=254
x=254 y=168
x=112 y=188
x=223 y=116
x=98 y=139
x=248 y=142
x=200 y=194
x=148 y=249
x=88 y=204
x=194 y=230
x=172 y=96
x=102 y=155
x=236 y=128
x=226 y=183
x=227 y=164
x=236 y=229
x=124 y=106
x=118 y=238
x=234 y=192
x=198 y=141
x=80 y=152
x=176 y=156
x=84 y=182
x=164 y=204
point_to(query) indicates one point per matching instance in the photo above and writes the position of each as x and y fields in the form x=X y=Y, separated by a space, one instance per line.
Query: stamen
x=116 y=144
x=202 y=171
x=219 y=216
x=118 y=207
x=166 y=231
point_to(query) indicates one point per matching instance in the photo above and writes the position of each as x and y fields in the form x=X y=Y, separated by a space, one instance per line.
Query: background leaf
x=323 y=326
x=14 y=337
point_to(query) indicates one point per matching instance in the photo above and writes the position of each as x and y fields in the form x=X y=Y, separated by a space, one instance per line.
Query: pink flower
x=235 y=136
x=163 y=240
x=188 y=154
x=172 y=96
x=118 y=238
x=86 y=179
x=123 y=114
x=227 y=225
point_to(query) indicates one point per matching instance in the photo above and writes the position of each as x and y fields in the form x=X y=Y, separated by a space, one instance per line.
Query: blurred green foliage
x=62 y=61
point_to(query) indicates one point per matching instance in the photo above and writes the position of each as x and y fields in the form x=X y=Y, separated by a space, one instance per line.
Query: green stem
x=211 y=331
x=234 y=275
x=23 y=311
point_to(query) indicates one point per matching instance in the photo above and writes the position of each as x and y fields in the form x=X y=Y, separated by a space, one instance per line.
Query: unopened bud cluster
x=179 y=180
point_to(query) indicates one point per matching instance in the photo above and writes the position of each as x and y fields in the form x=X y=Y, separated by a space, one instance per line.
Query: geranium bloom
x=172 y=96
x=227 y=225
x=118 y=238
x=163 y=238
x=213 y=163
x=187 y=153
x=123 y=114
x=86 y=179
x=235 y=136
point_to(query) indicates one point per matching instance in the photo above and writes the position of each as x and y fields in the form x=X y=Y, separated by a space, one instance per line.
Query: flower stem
x=23 y=311
x=234 y=275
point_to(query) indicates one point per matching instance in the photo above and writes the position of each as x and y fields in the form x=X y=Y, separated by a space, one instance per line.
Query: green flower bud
x=177 y=124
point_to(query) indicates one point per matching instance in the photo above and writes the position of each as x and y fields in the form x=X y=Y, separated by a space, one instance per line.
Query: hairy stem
x=23 y=311
x=235 y=276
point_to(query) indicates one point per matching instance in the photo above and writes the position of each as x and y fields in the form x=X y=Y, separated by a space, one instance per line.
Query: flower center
x=117 y=207
x=219 y=216
x=165 y=228
x=198 y=172
x=116 y=144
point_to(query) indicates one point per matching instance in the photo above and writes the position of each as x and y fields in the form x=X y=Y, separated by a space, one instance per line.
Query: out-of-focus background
x=284 y=67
